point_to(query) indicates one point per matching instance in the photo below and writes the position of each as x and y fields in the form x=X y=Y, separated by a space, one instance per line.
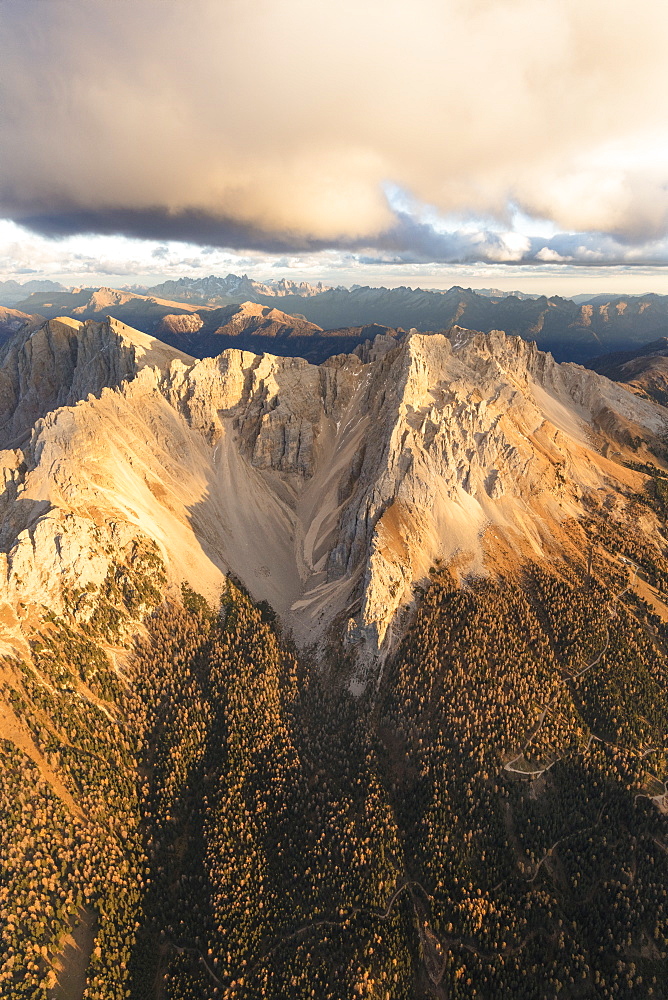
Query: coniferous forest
x=333 y=500
x=225 y=820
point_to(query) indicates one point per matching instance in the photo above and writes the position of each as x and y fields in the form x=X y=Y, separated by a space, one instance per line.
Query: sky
x=505 y=143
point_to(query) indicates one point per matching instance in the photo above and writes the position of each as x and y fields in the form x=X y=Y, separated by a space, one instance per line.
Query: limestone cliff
x=63 y=361
x=328 y=490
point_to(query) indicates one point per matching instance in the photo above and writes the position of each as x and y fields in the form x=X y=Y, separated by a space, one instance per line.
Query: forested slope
x=489 y=821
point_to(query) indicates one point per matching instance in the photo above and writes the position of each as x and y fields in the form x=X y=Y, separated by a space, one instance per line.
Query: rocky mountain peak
x=64 y=360
x=328 y=490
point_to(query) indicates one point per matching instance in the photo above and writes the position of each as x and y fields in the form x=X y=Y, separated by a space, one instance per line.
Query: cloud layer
x=278 y=125
x=120 y=261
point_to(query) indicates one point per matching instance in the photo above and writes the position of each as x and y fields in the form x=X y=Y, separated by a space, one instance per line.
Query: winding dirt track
x=434 y=949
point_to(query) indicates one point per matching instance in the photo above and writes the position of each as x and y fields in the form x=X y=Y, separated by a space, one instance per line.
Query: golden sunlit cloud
x=278 y=126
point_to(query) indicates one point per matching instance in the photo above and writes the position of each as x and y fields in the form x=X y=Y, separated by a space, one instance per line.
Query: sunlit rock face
x=328 y=490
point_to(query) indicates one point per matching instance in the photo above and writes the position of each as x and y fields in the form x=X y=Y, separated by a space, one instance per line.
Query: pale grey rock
x=329 y=491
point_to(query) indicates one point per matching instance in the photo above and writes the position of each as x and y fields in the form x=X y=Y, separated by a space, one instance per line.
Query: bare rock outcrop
x=63 y=361
x=328 y=490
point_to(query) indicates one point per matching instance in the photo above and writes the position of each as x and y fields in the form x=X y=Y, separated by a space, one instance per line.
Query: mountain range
x=323 y=489
x=12 y=291
x=571 y=331
x=327 y=680
x=215 y=290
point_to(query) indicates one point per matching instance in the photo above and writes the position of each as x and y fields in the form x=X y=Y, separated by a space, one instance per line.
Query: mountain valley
x=644 y=370
x=326 y=321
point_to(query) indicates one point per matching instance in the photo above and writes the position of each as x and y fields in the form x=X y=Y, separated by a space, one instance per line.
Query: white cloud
x=551 y=256
x=277 y=125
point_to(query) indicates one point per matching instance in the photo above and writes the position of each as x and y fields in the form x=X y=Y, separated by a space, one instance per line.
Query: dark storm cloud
x=406 y=241
x=185 y=226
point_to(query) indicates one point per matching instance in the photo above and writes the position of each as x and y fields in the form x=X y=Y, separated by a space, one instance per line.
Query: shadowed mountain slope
x=12 y=320
x=645 y=370
x=570 y=331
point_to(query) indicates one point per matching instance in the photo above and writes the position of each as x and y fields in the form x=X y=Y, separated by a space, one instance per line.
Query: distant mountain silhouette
x=214 y=290
x=571 y=331
x=12 y=291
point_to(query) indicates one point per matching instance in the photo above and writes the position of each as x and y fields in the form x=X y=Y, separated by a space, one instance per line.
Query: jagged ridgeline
x=400 y=734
